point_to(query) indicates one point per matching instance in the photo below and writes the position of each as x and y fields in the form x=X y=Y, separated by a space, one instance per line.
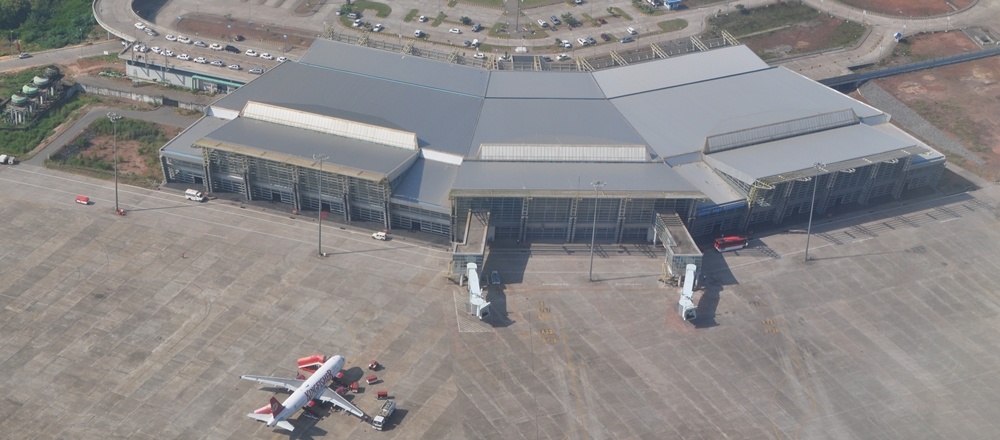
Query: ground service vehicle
x=83 y=200
x=193 y=194
x=730 y=243
x=379 y=236
x=383 y=414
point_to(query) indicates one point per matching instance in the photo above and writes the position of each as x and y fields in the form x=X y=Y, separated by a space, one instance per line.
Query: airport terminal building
x=718 y=138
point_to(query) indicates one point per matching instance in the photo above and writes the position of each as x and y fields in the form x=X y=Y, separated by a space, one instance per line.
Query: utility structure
x=115 y=117
x=685 y=306
x=820 y=167
x=598 y=184
x=319 y=212
x=477 y=304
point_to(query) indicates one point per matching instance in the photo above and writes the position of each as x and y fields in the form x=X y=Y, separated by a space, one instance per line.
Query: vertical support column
x=780 y=213
x=454 y=218
x=897 y=188
x=387 y=214
x=347 y=198
x=296 y=193
x=524 y=217
x=207 y=166
x=622 y=204
x=824 y=196
x=571 y=223
x=869 y=183
x=246 y=177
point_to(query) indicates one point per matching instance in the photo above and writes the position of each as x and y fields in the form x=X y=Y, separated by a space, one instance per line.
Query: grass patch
x=499 y=30
x=846 y=34
x=12 y=82
x=493 y=3
x=747 y=21
x=452 y=3
x=20 y=142
x=531 y=3
x=622 y=14
x=381 y=10
x=691 y=4
x=672 y=25
x=437 y=20
x=409 y=17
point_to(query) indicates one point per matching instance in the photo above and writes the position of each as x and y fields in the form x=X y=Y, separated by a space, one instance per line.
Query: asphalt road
x=66 y=55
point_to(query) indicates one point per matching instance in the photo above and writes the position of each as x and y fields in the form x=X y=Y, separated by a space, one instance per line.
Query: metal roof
x=397 y=67
x=677 y=120
x=180 y=145
x=282 y=143
x=789 y=156
x=672 y=72
x=520 y=179
x=427 y=183
x=551 y=121
x=521 y=84
x=442 y=120
x=708 y=182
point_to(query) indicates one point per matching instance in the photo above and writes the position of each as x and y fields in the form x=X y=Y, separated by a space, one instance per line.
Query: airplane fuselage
x=309 y=389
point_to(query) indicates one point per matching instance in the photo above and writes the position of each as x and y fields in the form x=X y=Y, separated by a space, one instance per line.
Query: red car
x=605 y=37
x=602 y=21
x=83 y=200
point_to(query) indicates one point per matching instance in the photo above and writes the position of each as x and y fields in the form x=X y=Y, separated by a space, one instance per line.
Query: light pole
x=598 y=184
x=319 y=212
x=819 y=167
x=114 y=117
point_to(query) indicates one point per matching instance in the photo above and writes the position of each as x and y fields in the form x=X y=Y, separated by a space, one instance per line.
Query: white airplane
x=303 y=391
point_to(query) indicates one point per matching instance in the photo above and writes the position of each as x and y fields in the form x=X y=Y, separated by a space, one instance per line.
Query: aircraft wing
x=288 y=384
x=330 y=396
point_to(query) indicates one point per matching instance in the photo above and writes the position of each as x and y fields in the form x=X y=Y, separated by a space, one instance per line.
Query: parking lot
x=140 y=326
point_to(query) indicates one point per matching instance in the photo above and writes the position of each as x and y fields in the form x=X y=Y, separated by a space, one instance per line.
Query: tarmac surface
x=140 y=326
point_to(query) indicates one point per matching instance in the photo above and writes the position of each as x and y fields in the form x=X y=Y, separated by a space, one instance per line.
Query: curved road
x=162 y=115
x=118 y=14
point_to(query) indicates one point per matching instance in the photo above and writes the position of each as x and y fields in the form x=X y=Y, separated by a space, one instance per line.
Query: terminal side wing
x=331 y=396
x=288 y=384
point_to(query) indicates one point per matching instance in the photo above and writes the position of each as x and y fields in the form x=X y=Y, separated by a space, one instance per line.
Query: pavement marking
x=572 y=375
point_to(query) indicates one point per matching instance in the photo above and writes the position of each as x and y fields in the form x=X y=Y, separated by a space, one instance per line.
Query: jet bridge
x=685 y=306
x=477 y=305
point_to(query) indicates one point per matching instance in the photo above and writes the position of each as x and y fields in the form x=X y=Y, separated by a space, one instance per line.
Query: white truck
x=379 y=236
x=5 y=159
x=193 y=194
x=383 y=414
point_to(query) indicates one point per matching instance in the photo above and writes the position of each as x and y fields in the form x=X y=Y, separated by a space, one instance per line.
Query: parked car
x=251 y=53
x=218 y=63
x=562 y=57
x=168 y=53
x=183 y=39
x=256 y=71
x=266 y=56
x=357 y=23
x=543 y=23
x=170 y=37
x=627 y=40
x=282 y=59
x=477 y=27
x=454 y=31
x=475 y=42
x=231 y=48
x=151 y=32
x=605 y=37
x=591 y=40
x=466 y=43
x=602 y=21
x=24 y=55
x=239 y=38
x=183 y=57
x=201 y=60
x=156 y=49
x=555 y=20
x=354 y=15
x=140 y=26
x=234 y=67
x=378 y=28
x=631 y=31
x=417 y=33
x=200 y=43
x=215 y=46
x=422 y=19
x=582 y=41
x=566 y=44
x=579 y=2
x=479 y=55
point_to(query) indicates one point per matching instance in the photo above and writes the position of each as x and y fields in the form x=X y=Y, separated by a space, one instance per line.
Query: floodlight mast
x=598 y=184
x=819 y=168
x=319 y=211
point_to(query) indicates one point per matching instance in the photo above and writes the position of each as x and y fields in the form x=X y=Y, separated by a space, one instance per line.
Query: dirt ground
x=922 y=47
x=129 y=159
x=909 y=8
x=962 y=100
x=222 y=28
x=799 y=38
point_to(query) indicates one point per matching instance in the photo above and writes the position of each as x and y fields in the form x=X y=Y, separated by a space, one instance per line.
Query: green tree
x=466 y=21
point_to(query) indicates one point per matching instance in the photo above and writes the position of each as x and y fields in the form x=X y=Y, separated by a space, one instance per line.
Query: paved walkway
x=162 y=115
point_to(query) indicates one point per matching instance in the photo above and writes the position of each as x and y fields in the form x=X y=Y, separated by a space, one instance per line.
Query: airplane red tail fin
x=276 y=407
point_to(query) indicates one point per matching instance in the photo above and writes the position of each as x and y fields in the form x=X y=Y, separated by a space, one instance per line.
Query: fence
x=856 y=79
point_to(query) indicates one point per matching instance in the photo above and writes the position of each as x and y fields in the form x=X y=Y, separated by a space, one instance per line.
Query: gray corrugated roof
x=799 y=153
x=552 y=121
x=514 y=178
x=676 y=121
x=181 y=145
x=397 y=67
x=519 y=84
x=442 y=120
x=702 y=177
x=671 y=72
x=301 y=143
x=427 y=182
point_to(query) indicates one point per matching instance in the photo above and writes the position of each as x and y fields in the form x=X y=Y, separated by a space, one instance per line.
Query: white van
x=379 y=236
x=193 y=194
